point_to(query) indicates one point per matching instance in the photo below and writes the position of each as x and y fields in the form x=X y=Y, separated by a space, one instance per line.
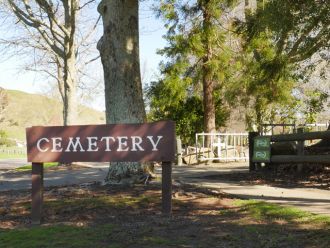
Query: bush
x=4 y=140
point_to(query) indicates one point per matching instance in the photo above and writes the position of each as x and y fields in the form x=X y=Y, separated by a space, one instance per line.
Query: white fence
x=13 y=150
x=223 y=147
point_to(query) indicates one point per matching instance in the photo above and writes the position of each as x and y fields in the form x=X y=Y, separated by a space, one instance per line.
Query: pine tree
x=199 y=58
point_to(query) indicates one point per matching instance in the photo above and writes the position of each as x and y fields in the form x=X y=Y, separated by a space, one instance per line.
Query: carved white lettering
x=74 y=144
x=122 y=144
x=153 y=143
x=57 y=143
x=92 y=144
x=39 y=142
x=136 y=144
x=107 y=142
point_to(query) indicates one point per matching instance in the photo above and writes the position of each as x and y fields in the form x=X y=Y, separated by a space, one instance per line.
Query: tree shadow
x=131 y=217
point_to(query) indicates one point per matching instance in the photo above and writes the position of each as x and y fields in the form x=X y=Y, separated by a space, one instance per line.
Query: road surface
x=12 y=163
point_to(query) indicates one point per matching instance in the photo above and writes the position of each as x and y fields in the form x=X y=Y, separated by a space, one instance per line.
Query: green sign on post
x=261 y=149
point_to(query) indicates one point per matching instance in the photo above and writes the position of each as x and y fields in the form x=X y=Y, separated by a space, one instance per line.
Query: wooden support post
x=179 y=150
x=300 y=149
x=37 y=192
x=167 y=188
x=252 y=135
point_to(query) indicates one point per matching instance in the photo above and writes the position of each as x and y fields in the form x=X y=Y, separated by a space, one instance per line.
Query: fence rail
x=270 y=128
x=13 y=151
x=300 y=138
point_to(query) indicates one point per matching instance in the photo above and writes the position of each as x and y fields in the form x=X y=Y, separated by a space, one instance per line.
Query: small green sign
x=261 y=151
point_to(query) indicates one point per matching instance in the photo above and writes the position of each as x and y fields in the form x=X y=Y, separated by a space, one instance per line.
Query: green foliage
x=279 y=39
x=298 y=29
x=197 y=57
x=171 y=103
x=4 y=140
x=262 y=211
x=315 y=104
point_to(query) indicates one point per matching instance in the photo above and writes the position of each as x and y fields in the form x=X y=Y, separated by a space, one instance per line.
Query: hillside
x=25 y=110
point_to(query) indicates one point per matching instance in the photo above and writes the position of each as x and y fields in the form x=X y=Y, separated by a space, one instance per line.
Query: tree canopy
x=198 y=65
x=283 y=41
x=256 y=57
x=53 y=38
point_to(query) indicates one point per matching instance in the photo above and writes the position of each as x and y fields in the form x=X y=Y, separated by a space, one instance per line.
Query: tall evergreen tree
x=199 y=58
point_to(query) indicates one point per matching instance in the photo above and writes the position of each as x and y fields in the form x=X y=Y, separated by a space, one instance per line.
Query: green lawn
x=55 y=236
x=9 y=156
x=28 y=167
x=261 y=211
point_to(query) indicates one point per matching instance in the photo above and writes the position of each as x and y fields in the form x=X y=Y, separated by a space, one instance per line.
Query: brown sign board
x=102 y=143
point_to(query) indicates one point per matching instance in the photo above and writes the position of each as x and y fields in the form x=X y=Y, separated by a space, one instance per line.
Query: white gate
x=223 y=147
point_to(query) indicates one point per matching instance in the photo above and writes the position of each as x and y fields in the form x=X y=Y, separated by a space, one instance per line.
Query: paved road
x=10 y=164
x=313 y=200
x=10 y=180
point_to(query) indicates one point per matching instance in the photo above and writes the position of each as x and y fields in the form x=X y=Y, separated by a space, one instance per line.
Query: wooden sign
x=261 y=149
x=102 y=143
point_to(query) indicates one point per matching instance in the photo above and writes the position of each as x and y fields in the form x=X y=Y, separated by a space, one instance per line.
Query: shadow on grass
x=130 y=217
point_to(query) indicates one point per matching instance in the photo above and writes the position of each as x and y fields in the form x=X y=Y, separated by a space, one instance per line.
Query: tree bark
x=70 y=73
x=70 y=92
x=119 y=49
x=208 y=84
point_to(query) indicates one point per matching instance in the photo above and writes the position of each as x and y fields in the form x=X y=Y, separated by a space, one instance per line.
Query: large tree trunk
x=70 y=74
x=208 y=84
x=119 y=49
x=209 y=109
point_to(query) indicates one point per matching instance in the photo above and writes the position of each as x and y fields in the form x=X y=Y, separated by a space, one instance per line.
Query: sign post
x=101 y=143
x=167 y=188
x=37 y=192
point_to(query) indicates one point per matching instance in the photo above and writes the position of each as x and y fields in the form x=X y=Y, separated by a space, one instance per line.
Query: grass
x=29 y=166
x=95 y=235
x=74 y=237
x=10 y=156
x=57 y=236
x=277 y=225
x=118 y=217
x=267 y=211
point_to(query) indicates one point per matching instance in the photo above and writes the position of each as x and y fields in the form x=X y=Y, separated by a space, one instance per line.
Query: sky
x=151 y=32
